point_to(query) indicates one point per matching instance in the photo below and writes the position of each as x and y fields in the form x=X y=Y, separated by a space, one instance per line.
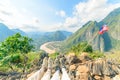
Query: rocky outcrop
x=80 y=68
x=88 y=69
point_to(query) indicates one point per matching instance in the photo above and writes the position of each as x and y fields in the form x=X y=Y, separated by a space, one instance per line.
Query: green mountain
x=19 y=31
x=89 y=32
x=5 y=32
x=42 y=38
x=39 y=38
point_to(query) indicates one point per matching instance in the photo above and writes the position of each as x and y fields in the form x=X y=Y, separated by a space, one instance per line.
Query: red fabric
x=103 y=29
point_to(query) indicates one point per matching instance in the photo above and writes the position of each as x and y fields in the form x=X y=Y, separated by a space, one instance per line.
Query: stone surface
x=97 y=77
x=84 y=57
x=117 y=77
x=84 y=68
x=82 y=72
x=107 y=78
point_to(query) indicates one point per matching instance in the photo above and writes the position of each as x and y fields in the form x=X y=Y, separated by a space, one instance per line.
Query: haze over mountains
x=39 y=38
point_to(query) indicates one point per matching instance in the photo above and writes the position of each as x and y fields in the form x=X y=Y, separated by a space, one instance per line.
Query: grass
x=33 y=59
x=54 y=55
x=114 y=56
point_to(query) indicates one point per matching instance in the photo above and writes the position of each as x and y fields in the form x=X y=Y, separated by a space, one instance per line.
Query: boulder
x=72 y=71
x=107 y=78
x=84 y=57
x=117 y=77
x=97 y=67
x=97 y=77
x=108 y=70
x=73 y=59
x=82 y=73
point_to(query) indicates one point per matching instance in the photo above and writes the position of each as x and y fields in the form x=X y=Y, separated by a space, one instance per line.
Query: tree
x=13 y=47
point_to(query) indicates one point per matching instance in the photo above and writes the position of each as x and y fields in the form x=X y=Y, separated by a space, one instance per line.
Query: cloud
x=35 y=20
x=14 y=17
x=94 y=10
x=29 y=28
x=71 y=22
x=1 y=20
x=61 y=13
x=5 y=13
x=83 y=12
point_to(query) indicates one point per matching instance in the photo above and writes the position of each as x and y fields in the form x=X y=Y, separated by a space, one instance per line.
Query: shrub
x=81 y=47
x=96 y=54
x=54 y=55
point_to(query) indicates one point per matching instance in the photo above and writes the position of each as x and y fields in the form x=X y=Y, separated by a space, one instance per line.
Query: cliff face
x=108 y=41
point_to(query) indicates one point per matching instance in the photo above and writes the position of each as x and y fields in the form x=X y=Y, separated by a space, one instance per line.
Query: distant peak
x=3 y=26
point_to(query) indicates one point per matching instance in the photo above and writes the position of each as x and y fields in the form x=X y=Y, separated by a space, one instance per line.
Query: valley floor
x=46 y=49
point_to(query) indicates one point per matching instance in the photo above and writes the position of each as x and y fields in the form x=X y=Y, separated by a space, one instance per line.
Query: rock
x=82 y=69
x=82 y=73
x=97 y=67
x=97 y=77
x=57 y=64
x=3 y=74
x=84 y=57
x=50 y=63
x=108 y=70
x=63 y=61
x=89 y=64
x=116 y=69
x=117 y=77
x=42 y=56
x=73 y=59
x=72 y=72
x=107 y=78
x=72 y=67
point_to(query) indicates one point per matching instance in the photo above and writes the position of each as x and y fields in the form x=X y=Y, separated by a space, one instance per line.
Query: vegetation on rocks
x=54 y=55
x=85 y=47
x=82 y=47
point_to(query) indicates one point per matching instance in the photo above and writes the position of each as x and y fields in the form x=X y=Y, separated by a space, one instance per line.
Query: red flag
x=103 y=29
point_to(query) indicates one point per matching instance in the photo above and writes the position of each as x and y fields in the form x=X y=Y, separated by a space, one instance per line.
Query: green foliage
x=54 y=55
x=96 y=55
x=13 y=58
x=16 y=43
x=13 y=48
x=114 y=56
x=18 y=62
x=82 y=47
x=4 y=68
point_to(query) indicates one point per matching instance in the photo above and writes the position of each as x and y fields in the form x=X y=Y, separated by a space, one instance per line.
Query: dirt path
x=46 y=49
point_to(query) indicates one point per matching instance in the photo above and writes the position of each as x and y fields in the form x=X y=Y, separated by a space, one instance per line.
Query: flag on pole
x=103 y=29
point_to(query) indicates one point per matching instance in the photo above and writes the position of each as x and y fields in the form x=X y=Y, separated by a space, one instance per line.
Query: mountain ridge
x=110 y=40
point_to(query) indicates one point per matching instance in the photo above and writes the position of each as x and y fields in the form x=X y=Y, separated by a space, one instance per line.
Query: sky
x=51 y=15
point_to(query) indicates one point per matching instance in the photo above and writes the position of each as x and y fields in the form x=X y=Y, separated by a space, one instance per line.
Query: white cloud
x=83 y=12
x=94 y=10
x=71 y=22
x=14 y=18
x=61 y=13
